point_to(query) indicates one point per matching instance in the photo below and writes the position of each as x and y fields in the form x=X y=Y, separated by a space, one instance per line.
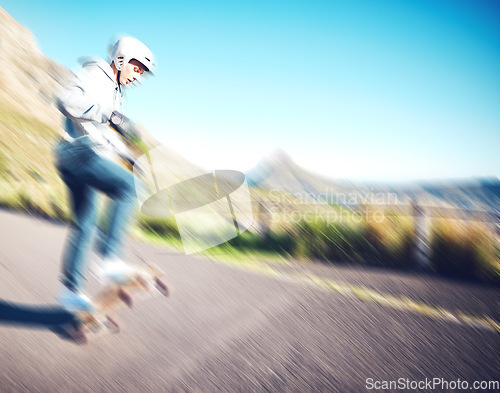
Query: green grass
x=245 y=249
x=28 y=178
x=465 y=250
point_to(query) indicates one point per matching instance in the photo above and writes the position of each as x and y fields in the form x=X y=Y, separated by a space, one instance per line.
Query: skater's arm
x=80 y=101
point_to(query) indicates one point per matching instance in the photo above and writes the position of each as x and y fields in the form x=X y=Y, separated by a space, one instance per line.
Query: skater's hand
x=124 y=126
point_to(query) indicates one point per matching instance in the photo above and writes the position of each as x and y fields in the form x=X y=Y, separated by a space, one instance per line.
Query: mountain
x=29 y=79
x=279 y=174
x=29 y=121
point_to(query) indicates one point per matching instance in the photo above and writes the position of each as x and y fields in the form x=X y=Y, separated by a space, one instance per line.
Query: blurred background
x=368 y=132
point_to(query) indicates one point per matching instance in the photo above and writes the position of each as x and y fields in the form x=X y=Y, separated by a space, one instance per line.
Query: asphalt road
x=227 y=329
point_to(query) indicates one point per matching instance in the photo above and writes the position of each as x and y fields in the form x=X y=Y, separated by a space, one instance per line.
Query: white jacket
x=87 y=102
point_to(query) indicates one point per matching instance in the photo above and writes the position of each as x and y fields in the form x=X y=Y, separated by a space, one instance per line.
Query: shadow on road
x=52 y=318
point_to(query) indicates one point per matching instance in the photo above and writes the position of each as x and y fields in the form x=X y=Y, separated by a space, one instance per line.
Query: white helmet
x=128 y=48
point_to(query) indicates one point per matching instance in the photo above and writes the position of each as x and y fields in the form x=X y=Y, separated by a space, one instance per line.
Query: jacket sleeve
x=79 y=102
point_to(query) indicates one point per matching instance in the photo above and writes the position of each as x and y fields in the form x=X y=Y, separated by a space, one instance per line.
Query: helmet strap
x=118 y=80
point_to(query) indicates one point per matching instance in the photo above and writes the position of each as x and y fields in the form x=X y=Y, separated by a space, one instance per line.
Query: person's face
x=131 y=73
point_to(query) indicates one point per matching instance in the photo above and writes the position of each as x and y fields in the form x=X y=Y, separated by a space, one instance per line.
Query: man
x=86 y=160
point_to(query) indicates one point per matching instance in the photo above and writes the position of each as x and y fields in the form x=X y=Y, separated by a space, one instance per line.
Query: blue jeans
x=85 y=173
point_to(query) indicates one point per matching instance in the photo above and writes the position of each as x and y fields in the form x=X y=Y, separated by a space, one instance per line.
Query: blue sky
x=364 y=90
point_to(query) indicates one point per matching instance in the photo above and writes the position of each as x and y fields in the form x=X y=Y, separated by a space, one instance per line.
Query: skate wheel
x=125 y=297
x=113 y=325
x=161 y=287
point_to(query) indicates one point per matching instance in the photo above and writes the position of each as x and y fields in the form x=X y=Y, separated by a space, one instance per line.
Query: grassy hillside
x=28 y=177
